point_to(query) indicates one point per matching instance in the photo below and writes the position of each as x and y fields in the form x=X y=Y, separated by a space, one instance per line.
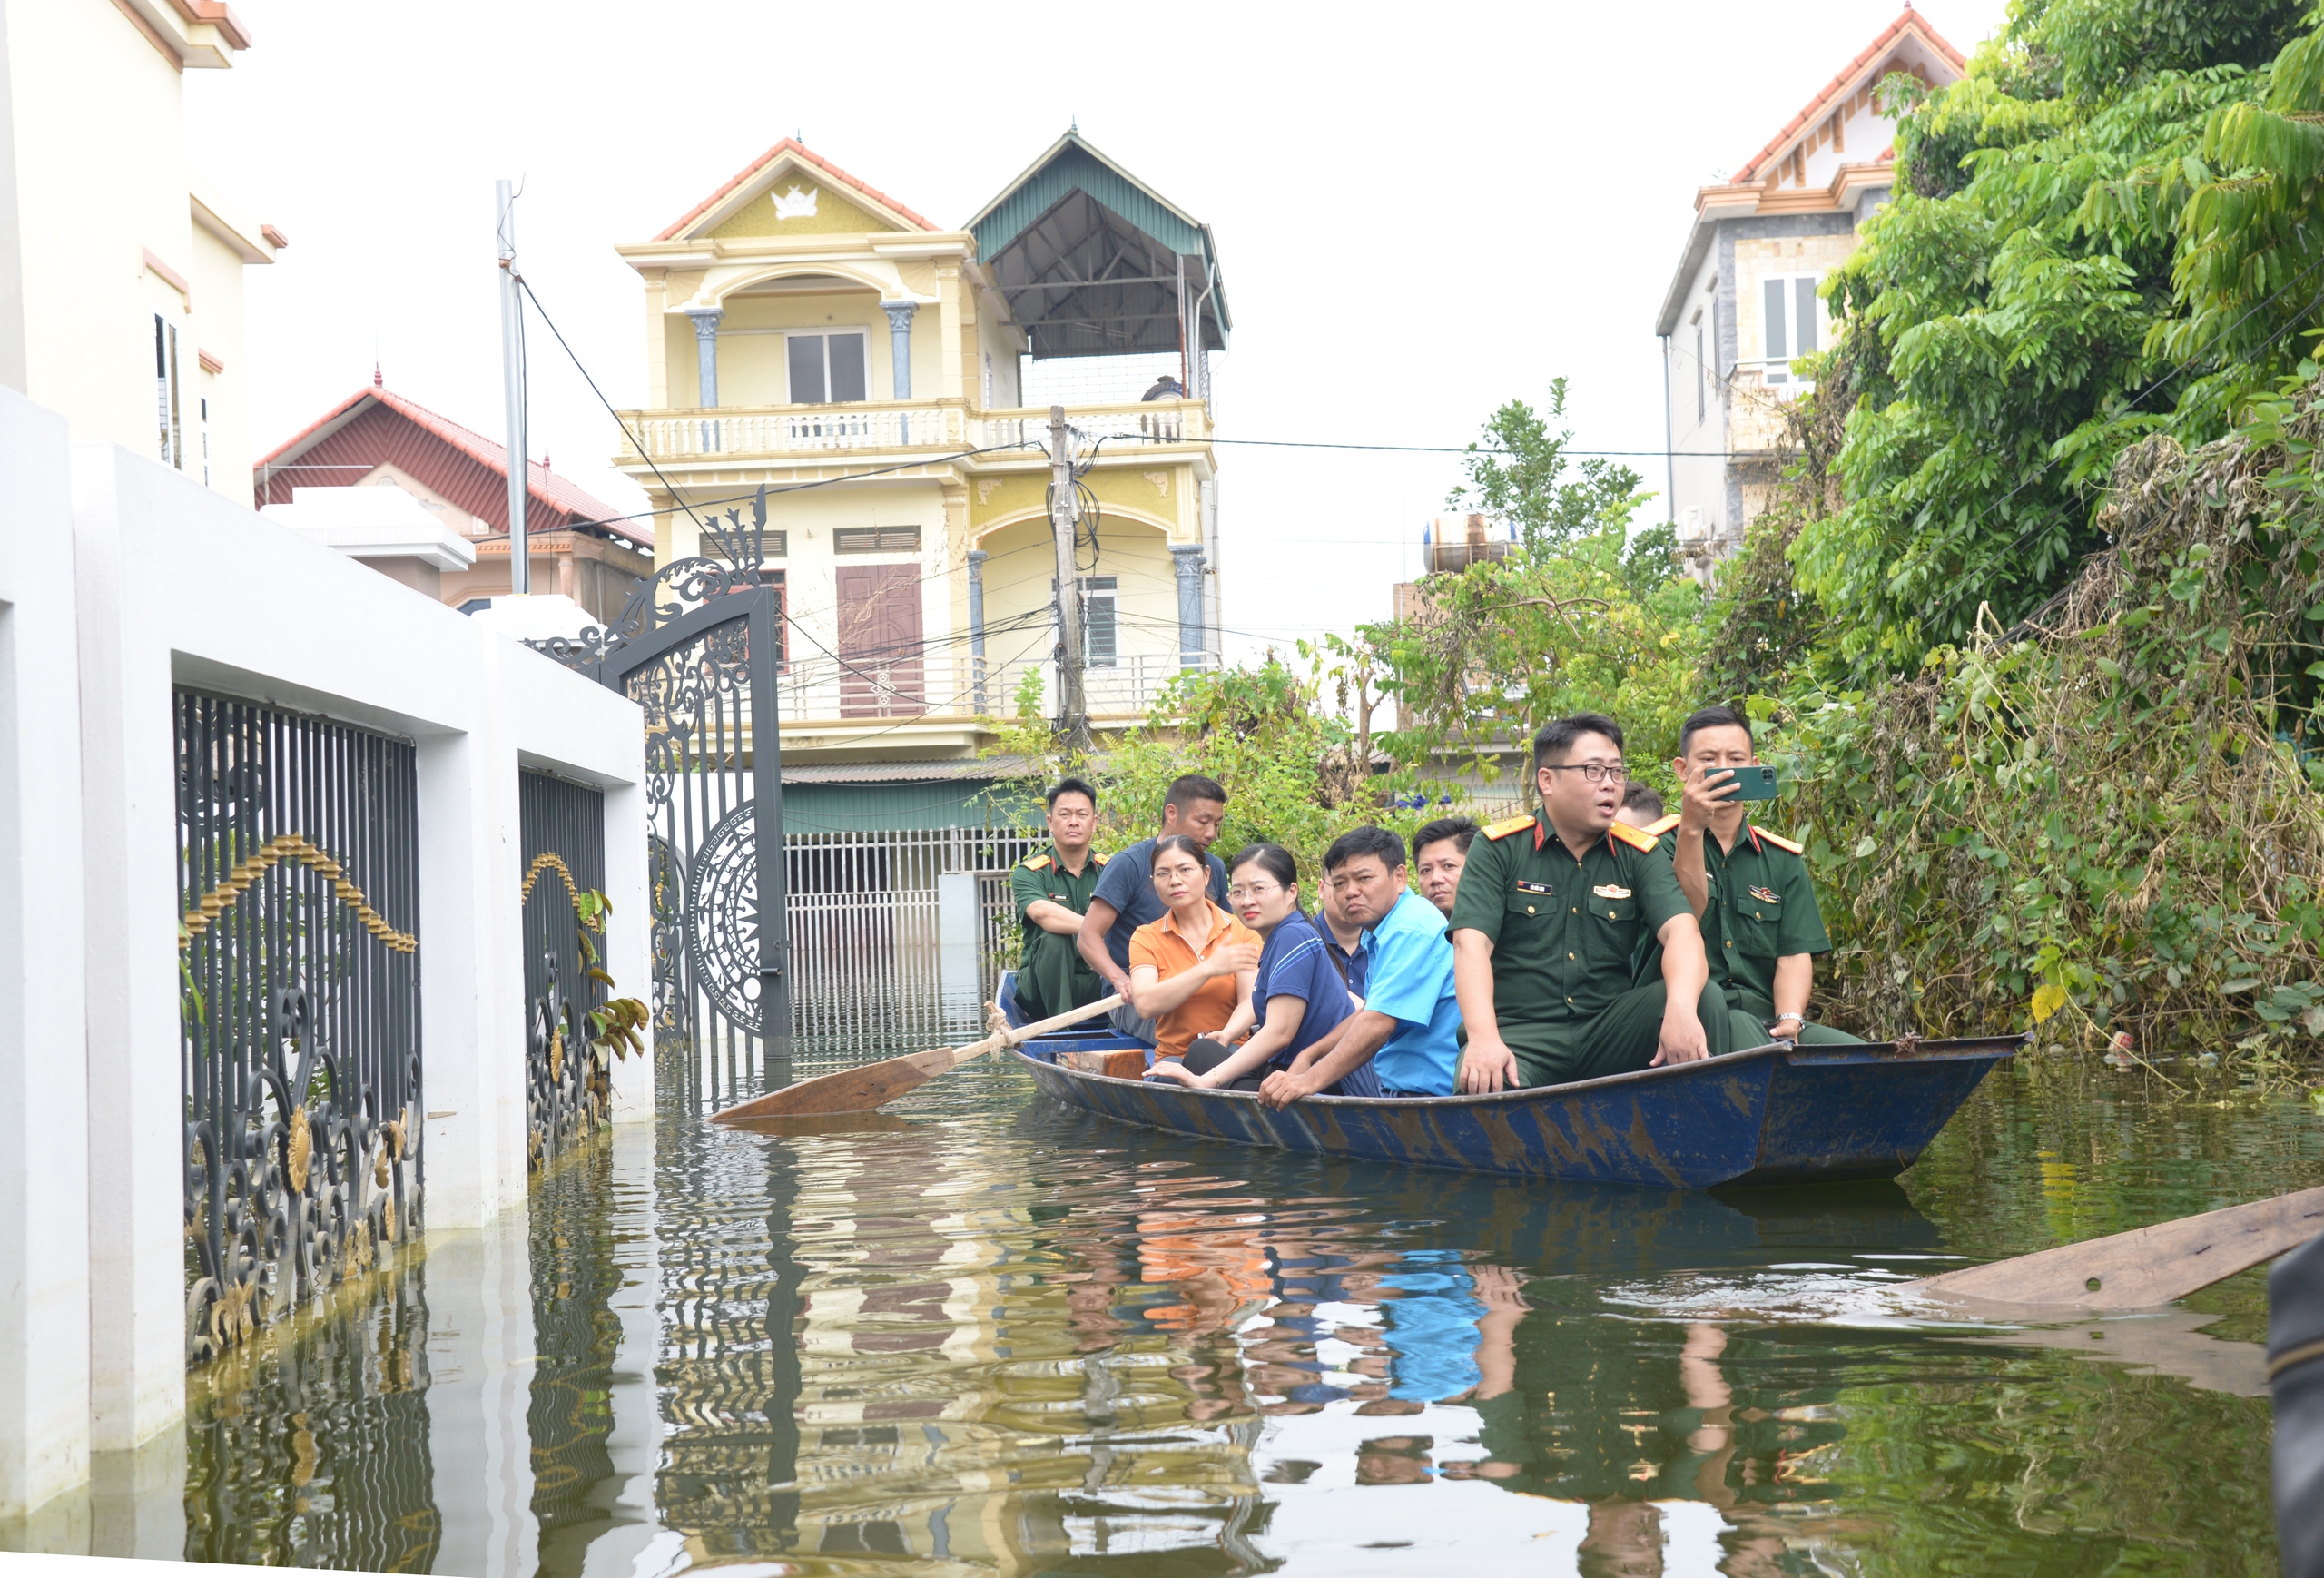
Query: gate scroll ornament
x=698 y=647
x=299 y=993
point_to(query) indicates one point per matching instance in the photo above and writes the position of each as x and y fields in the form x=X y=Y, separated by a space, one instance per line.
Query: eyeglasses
x=1595 y=772
x=1241 y=891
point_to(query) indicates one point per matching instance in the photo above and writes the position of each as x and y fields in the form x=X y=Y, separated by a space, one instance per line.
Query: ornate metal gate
x=299 y=876
x=699 y=648
x=562 y=826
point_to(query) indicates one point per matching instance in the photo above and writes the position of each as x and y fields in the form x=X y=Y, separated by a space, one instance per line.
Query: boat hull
x=1770 y=1114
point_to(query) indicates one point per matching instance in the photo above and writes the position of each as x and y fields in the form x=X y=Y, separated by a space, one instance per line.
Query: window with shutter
x=1788 y=326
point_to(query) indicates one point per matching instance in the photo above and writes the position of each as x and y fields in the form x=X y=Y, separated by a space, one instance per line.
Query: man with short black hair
x=1405 y=1031
x=1123 y=899
x=1748 y=888
x=1052 y=889
x=1440 y=851
x=1642 y=808
x=1546 y=932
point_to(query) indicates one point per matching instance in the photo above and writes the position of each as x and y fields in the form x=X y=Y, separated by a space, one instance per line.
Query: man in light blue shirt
x=1409 y=1024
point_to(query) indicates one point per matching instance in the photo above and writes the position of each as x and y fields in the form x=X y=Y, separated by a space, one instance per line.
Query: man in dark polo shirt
x=1546 y=926
x=1052 y=890
x=1750 y=890
x=1123 y=899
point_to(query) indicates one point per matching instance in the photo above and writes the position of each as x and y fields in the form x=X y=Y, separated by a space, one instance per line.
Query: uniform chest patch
x=1529 y=887
x=1765 y=897
x=1609 y=891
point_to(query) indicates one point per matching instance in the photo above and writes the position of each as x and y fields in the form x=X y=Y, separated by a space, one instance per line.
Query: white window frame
x=169 y=399
x=1776 y=369
x=1094 y=590
x=825 y=332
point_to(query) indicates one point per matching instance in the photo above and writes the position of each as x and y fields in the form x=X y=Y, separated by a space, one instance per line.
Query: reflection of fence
x=866 y=958
x=563 y=835
x=299 y=877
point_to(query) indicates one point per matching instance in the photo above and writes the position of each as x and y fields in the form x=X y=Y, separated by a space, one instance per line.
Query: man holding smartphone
x=1750 y=888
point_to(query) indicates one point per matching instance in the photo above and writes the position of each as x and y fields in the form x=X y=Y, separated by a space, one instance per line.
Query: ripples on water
x=982 y=1334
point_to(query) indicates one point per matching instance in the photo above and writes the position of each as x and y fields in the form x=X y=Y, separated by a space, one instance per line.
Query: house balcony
x=870 y=692
x=724 y=434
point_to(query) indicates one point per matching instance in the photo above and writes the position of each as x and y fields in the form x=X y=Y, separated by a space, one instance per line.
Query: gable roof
x=375 y=427
x=1849 y=79
x=803 y=154
x=1055 y=232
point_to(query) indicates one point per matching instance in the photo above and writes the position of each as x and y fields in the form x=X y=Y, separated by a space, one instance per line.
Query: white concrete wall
x=148 y=581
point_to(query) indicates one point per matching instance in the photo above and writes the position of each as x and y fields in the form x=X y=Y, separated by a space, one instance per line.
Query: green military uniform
x=1565 y=935
x=1762 y=908
x=1051 y=975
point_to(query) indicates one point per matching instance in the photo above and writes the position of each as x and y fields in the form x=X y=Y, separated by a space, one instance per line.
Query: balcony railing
x=725 y=432
x=889 y=692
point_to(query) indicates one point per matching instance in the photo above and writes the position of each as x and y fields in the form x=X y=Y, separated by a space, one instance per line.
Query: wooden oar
x=875 y=1084
x=2141 y=1268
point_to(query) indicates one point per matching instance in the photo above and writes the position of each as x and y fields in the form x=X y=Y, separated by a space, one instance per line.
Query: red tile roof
x=375 y=427
x=1907 y=20
x=793 y=146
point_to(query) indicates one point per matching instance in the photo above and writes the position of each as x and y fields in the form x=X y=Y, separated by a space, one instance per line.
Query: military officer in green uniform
x=1052 y=892
x=1749 y=889
x=1546 y=927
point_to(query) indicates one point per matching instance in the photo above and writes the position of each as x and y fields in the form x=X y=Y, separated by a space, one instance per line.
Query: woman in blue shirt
x=1298 y=999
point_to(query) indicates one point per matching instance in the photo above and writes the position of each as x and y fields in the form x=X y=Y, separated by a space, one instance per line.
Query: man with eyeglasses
x=1546 y=929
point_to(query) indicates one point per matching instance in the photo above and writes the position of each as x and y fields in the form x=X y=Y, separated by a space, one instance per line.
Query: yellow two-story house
x=889 y=380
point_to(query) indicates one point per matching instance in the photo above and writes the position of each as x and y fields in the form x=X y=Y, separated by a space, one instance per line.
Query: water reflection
x=982 y=1336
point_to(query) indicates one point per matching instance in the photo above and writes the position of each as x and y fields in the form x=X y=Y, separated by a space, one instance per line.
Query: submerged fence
x=562 y=827
x=298 y=879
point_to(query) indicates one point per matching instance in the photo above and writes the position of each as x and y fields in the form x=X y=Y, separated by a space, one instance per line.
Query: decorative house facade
x=120 y=267
x=1743 y=305
x=887 y=381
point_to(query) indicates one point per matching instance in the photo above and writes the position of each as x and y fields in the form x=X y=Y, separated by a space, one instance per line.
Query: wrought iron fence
x=299 y=877
x=562 y=826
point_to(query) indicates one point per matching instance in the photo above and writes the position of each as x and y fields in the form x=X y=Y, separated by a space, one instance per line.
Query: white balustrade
x=883 y=690
x=791 y=429
x=1140 y=421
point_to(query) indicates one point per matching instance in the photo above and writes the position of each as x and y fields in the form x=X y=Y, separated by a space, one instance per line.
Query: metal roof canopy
x=1089 y=259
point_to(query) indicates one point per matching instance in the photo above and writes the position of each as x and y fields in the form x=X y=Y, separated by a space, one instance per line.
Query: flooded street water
x=983 y=1334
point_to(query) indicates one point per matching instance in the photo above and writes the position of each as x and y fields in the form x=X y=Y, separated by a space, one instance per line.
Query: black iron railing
x=562 y=830
x=298 y=883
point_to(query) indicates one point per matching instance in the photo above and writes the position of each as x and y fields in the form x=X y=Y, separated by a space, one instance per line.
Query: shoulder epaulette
x=1099 y=858
x=1637 y=838
x=1657 y=829
x=1781 y=842
x=1500 y=829
x=1039 y=863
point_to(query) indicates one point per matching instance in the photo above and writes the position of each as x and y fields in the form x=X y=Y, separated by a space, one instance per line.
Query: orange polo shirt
x=1160 y=944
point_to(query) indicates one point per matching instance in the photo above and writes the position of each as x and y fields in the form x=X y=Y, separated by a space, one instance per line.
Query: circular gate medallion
x=722 y=918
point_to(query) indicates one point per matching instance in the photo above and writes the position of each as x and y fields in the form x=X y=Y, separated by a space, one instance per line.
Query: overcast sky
x=1422 y=213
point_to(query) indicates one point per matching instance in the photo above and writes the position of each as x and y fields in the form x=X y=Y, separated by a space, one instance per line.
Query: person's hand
x=1682 y=1039
x=1486 y=1065
x=1173 y=1070
x=1280 y=1089
x=1704 y=792
x=1232 y=959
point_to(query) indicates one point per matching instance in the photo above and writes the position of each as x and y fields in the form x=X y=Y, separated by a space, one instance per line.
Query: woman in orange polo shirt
x=1192 y=971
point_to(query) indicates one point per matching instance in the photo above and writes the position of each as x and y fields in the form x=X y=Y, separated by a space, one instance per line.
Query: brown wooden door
x=883 y=673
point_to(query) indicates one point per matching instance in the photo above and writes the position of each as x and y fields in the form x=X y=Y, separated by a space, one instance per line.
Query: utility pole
x=1073 y=713
x=512 y=382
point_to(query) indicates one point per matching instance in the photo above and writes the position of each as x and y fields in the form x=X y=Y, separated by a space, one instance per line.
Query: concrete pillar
x=480 y=1363
x=705 y=349
x=956 y=937
x=43 y=1035
x=900 y=344
x=1186 y=559
x=976 y=557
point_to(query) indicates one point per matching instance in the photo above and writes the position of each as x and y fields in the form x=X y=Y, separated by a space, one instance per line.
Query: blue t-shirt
x=1128 y=883
x=1409 y=970
x=1351 y=964
x=1292 y=964
x=1431 y=1331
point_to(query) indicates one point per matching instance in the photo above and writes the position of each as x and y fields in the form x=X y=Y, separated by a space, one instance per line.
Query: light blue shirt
x=1408 y=974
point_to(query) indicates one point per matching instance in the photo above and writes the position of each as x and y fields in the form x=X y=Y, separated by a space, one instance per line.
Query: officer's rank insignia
x=1609 y=891
x=1500 y=829
x=1765 y=897
x=1526 y=887
x=1039 y=863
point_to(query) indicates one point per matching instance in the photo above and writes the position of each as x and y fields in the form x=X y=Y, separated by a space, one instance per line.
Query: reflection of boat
x=1769 y=1115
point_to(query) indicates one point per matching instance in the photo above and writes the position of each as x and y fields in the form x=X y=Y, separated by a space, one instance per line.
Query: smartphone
x=1753 y=783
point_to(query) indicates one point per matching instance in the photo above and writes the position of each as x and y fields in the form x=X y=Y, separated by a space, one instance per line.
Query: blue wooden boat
x=1771 y=1114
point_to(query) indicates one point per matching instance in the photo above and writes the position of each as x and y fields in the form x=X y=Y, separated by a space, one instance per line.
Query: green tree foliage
x=1516 y=473
x=2005 y=330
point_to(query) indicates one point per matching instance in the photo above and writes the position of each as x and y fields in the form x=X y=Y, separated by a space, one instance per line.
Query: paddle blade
x=850 y=1090
x=2141 y=1268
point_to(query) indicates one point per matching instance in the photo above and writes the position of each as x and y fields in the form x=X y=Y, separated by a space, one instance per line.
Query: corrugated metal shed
x=1075 y=215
